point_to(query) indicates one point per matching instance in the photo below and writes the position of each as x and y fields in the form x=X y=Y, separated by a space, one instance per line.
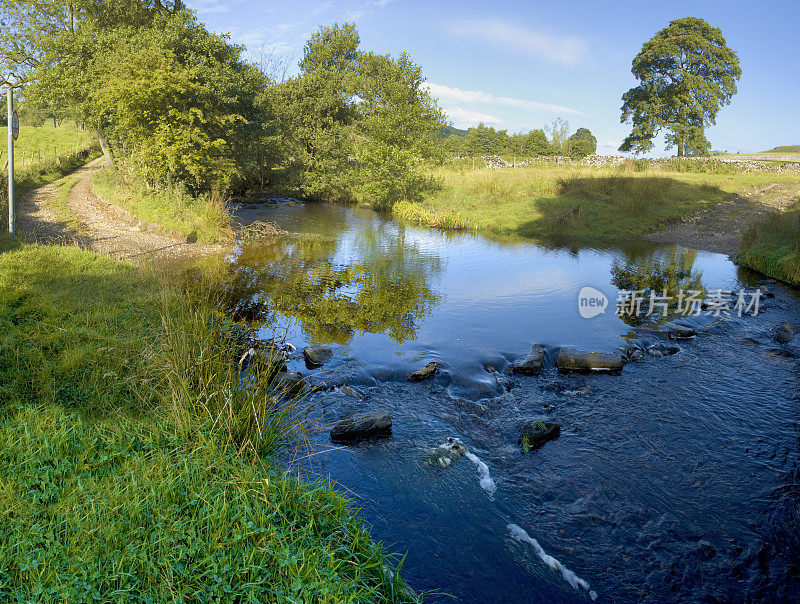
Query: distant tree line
x=553 y=139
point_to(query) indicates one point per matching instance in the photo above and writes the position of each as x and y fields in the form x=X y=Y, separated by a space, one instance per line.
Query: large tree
x=356 y=124
x=581 y=144
x=687 y=73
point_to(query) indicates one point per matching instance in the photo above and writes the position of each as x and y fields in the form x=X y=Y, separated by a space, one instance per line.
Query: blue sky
x=517 y=65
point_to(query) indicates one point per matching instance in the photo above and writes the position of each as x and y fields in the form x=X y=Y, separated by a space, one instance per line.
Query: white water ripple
x=570 y=577
x=487 y=484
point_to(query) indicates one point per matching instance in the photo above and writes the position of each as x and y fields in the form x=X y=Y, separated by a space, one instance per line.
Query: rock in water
x=317 y=356
x=576 y=360
x=445 y=454
x=680 y=332
x=289 y=383
x=535 y=434
x=531 y=364
x=785 y=333
x=361 y=426
x=663 y=349
x=425 y=373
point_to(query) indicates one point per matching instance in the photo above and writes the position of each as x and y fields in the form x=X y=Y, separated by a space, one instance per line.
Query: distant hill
x=446 y=131
x=785 y=149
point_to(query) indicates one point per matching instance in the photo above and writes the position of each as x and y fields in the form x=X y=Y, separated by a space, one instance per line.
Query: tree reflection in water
x=368 y=281
x=664 y=271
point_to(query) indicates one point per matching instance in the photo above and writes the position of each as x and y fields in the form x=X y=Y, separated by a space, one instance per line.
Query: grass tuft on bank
x=772 y=245
x=204 y=218
x=105 y=495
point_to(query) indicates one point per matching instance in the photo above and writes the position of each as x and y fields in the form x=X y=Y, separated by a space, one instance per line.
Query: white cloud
x=448 y=94
x=564 y=50
x=610 y=144
x=464 y=118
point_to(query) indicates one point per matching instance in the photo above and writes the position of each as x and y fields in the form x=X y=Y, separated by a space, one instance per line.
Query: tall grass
x=772 y=245
x=129 y=435
x=170 y=206
x=208 y=389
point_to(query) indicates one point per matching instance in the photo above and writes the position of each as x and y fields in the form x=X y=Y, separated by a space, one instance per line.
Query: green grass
x=60 y=206
x=114 y=487
x=41 y=143
x=175 y=211
x=544 y=200
x=772 y=245
x=785 y=149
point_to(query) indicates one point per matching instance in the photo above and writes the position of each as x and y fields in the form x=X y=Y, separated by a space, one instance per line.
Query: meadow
x=624 y=202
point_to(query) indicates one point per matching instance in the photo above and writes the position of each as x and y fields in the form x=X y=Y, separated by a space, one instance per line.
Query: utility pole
x=11 y=119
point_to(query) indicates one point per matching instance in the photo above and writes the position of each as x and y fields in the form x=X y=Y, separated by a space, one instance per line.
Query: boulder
x=663 y=349
x=785 y=333
x=446 y=453
x=317 y=356
x=535 y=434
x=425 y=373
x=362 y=426
x=289 y=383
x=576 y=360
x=680 y=332
x=631 y=353
x=531 y=364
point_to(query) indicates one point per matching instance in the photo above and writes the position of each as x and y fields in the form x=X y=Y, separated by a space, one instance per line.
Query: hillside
x=784 y=149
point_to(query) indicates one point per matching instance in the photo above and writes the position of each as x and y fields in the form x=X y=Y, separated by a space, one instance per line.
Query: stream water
x=676 y=480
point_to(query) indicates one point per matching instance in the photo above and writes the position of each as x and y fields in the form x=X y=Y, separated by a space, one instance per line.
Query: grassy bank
x=120 y=480
x=204 y=218
x=772 y=245
x=544 y=200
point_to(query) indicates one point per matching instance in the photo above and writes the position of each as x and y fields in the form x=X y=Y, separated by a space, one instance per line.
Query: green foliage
x=107 y=495
x=356 y=124
x=485 y=140
x=687 y=73
x=581 y=144
x=156 y=86
x=536 y=143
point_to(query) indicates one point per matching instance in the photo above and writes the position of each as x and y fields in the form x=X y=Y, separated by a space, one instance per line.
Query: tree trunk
x=680 y=146
x=105 y=147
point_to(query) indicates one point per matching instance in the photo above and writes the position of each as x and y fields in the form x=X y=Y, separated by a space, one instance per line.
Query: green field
x=545 y=200
x=40 y=143
x=116 y=486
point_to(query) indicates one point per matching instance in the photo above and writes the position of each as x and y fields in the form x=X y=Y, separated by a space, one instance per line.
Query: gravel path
x=719 y=228
x=105 y=228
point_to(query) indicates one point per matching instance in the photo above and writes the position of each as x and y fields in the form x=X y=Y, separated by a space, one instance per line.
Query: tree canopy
x=687 y=73
x=356 y=123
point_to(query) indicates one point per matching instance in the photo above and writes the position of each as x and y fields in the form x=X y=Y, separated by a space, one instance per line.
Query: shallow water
x=675 y=480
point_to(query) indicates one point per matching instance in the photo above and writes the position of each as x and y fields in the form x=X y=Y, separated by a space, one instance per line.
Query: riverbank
x=772 y=244
x=113 y=483
x=544 y=200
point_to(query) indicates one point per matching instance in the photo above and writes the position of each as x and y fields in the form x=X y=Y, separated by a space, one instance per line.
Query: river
x=675 y=480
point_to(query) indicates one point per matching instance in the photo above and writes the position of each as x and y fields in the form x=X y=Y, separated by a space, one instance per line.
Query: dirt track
x=104 y=228
x=719 y=228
